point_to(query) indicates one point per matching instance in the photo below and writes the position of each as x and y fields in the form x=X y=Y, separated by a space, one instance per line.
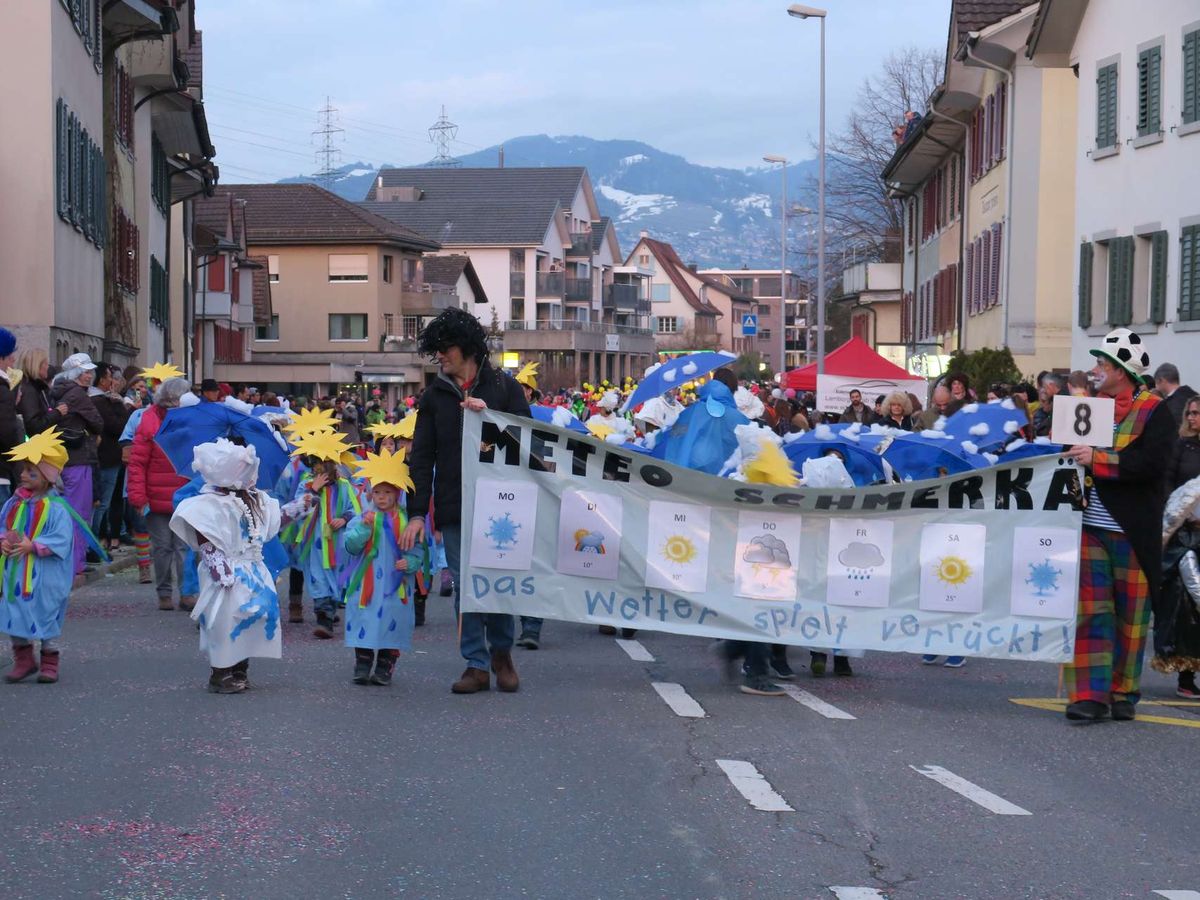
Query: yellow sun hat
x=161 y=372
x=400 y=431
x=770 y=466
x=307 y=421
x=327 y=445
x=385 y=468
x=43 y=449
x=528 y=375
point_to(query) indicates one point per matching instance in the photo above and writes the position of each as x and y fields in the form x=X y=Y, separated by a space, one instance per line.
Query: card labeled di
x=952 y=568
x=1045 y=572
x=502 y=534
x=768 y=553
x=677 y=547
x=589 y=534
x=859 y=568
x=1083 y=420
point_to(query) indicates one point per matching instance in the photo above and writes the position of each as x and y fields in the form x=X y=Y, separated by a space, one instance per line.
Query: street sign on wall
x=749 y=325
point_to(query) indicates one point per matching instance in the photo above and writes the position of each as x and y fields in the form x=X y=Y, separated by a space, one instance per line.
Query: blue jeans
x=482 y=633
x=108 y=481
x=531 y=625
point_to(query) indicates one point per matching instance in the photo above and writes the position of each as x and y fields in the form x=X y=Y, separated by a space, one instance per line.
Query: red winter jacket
x=150 y=476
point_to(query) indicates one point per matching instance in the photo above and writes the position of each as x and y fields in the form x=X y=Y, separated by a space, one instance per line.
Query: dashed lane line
x=857 y=893
x=635 y=650
x=749 y=782
x=679 y=700
x=815 y=703
x=1052 y=705
x=971 y=791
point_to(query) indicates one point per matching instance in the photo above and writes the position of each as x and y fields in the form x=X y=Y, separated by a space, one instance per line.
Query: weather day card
x=952 y=568
x=502 y=534
x=859 y=567
x=677 y=547
x=768 y=549
x=1045 y=572
x=589 y=534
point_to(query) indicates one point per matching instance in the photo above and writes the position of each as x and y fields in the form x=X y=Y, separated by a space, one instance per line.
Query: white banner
x=833 y=391
x=563 y=526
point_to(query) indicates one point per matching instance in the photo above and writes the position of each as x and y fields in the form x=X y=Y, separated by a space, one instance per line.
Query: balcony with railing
x=579 y=289
x=569 y=334
x=627 y=298
x=516 y=284
x=581 y=244
x=422 y=298
x=551 y=285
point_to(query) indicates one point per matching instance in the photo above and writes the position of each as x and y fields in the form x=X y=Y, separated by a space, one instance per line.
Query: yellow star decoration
x=45 y=447
x=330 y=445
x=161 y=372
x=307 y=421
x=770 y=466
x=407 y=427
x=385 y=468
x=528 y=375
x=599 y=429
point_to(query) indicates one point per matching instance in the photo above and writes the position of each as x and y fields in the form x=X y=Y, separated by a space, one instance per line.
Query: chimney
x=501 y=156
x=692 y=267
x=645 y=233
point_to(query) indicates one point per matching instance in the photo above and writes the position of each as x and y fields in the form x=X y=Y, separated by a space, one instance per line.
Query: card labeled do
x=859 y=568
x=677 y=546
x=1083 y=420
x=952 y=568
x=1045 y=572
x=768 y=554
x=503 y=532
x=589 y=534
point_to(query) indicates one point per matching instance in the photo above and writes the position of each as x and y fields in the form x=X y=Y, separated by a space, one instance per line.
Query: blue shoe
x=929 y=659
x=955 y=662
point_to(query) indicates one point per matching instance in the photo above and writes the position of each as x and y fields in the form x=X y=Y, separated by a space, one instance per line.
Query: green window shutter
x=60 y=162
x=1106 y=107
x=1190 y=103
x=1150 y=91
x=1189 y=272
x=1126 y=280
x=1086 y=251
x=1158 y=277
x=1120 y=281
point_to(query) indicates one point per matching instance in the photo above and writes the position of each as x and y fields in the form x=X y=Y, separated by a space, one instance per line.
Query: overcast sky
x=720 y=82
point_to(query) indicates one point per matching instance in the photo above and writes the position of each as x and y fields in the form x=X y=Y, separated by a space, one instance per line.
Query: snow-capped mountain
x=713 y=216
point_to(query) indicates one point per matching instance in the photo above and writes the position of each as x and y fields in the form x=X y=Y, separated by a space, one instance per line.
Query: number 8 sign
x=1083 y=420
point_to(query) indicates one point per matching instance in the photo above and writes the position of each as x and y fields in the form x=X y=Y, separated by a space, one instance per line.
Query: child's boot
x=419 y=609
x=295 y=609
x=145 y=576
x=24 y=664
x=324 y=629
x=49 y=672
x=363 y=660
x=221 y=682
x=384 y=665
x=241 y=674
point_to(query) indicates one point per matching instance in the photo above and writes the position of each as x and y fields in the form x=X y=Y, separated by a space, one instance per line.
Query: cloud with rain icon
x=860 y=558
x=768 y=550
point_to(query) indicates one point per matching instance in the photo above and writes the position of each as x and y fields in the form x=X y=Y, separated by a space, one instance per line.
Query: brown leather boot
x=473 y=680
x=166 y=603
x=187 y=603
x=506 y=672
x=295 y=609
x=145 y=576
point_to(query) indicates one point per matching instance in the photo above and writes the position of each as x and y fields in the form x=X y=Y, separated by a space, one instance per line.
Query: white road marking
x=1179 y=895
x=972 y=792
x=815 y=703
x=858 y=893
x=748 y=782
x=679 y=700
x=636 y=651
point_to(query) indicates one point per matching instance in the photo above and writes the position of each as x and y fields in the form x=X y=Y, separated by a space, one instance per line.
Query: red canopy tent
x=854 y=359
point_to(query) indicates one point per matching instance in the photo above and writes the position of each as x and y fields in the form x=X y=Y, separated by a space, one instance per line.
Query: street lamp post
x=781 y=361
x=810 y=12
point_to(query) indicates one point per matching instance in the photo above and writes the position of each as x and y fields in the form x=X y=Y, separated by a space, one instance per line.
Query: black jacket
x=80 y=425
x=115 y=414
x=10 y=430
x=1177 y=402
x=435 y=461
x=34 y=406
x=1184 y=464
x=866 y=416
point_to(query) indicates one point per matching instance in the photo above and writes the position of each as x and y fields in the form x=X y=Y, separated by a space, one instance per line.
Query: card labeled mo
x=1083 y=420
x=503 y=531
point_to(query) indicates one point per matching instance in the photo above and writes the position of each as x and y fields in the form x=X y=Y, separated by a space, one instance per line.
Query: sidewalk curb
x=120 y=564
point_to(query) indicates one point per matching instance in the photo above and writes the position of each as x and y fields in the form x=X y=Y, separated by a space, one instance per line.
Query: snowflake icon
x=502 y=531
x=1043 y=577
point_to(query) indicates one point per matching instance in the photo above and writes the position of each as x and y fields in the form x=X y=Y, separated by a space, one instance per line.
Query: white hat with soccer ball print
x=1125 y=348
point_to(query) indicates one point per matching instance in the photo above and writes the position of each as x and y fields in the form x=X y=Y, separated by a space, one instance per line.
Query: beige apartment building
x=342 y=282
x=781 y=340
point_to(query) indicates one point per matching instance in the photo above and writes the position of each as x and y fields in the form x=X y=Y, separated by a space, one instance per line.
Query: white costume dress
x=238 y=609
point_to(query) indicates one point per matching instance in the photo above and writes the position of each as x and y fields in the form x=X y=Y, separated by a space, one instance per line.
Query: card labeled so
x=589 y=534
x=952 y=568
x=859 y=569
x=1083 y=420
x=768 y=556
x=503 y=533
x=1045 y=572
x=677 y=547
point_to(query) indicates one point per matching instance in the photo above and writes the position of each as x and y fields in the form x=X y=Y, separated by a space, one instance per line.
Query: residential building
x=1136 y=142
x=872 y=291
x=341 y=282
x=544 y=255
x=90 y=192
x=782 y=332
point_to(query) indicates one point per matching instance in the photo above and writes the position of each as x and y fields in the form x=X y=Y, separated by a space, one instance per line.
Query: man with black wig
x=467 y=381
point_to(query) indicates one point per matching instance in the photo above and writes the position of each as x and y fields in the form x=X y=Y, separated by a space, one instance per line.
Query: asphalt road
x=128 y=779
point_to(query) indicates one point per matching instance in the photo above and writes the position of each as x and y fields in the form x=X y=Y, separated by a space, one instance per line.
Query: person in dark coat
x=897 y=411
x=466 y=385
x=1120 y=566
x=115 y=413
x=857 y=411
x=1176 y=396
x=11 y=433
x=33 y=401
x=79 y=427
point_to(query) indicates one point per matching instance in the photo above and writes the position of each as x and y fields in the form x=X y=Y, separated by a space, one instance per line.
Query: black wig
x=454 y=328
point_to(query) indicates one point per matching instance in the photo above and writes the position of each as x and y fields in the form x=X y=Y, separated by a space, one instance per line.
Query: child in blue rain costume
x=38 y=564
x=318 y=535
x=228 y=523
x=380 y=597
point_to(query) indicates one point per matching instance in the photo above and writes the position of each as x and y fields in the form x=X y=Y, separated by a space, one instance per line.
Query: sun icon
x=679 y=549
x=952 y=570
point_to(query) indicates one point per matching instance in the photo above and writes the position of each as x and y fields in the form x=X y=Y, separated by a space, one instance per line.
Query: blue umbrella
x=986 y=425
x=185 y=428
x=918 y=456
x=1032 y=448
x=546 y=414
x=864 y=465
x=676 y=372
